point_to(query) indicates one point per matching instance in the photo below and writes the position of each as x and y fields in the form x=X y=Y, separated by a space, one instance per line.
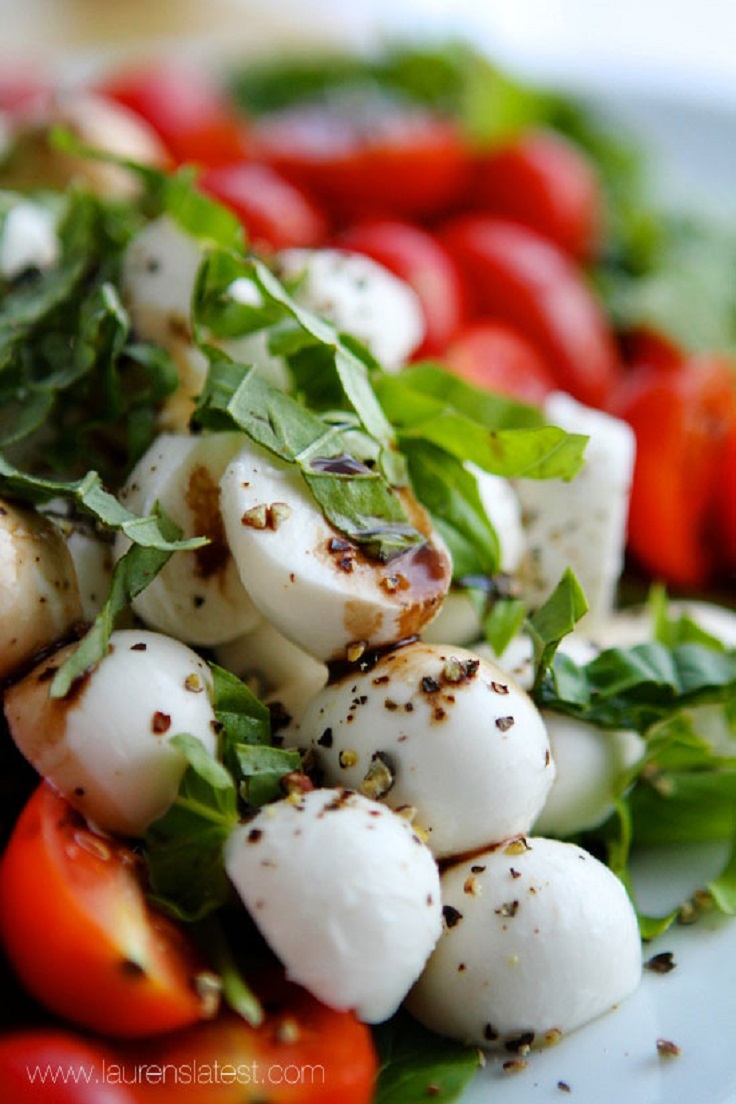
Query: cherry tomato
x=492 y=355
x=304 y=1053
x=418 y=259
x=543 y=181
x=682 y=420
x=275 y=213
x=375 y=160
x=725 y=505
x=644 y=348
x=514 y=275
x=78 y=932
x=51 y=1066
x=196 y=122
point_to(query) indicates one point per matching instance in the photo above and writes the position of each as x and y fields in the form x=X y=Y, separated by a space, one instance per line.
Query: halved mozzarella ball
x=590 y=763
x=105 y=747
x=197 y=596
x=360 y=297
x=344 y=892
x=582 y=523
x=438 y=730
x=540 y=938
x=39 y=595
x=307 y=580
x=93 y=563
x=283 y=674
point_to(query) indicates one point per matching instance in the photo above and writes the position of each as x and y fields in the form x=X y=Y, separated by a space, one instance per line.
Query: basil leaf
x=244 y=719
x=355 y=499
x=261 y=769
x=554 y=620
x=635 y=687
x=417 y=1065
x=450 y=493
x=132 y=574
x=723 y=888
x=184 y=847
x=503 y=622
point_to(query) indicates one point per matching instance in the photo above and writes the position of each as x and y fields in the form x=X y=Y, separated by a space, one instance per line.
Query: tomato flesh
x=514 y=275
x=53 y=1066
x=78 y=932
x=545 y=182
x=494 y=356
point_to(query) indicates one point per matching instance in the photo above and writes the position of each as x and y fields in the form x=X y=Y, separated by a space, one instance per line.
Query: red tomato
x=514 y=275
x=275 y=213
x=725 y=505
x=682 y=420
x=77 y=930
x=543 y=181
x=419 y=259
x=50 y=1066
x=304 y=1053
x=382 y=161
x=492 y=355
x=196 y=122
x=650 y=349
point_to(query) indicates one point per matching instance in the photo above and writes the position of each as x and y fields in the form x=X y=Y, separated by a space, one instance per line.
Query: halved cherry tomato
x=275 y=213
x=514 y=275
x=417 y=258
x=195 y=120
x=76 y=927
x=682 y=420
x=52 y=1066
x=376 y=159
x=304 y=1053
x=725 y=505
x=492 y=355
x=542 y=180
x=645 y=348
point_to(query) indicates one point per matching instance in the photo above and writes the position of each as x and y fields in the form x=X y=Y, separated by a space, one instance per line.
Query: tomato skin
x=646 y=348
x=275 y=213
x=410 y=166
x=416 y=257
x=186 y=109
x=682 y=420
x=494 y=356
x=514 y=275
x=301 y=1040
x=76 y=928
x=543 y=181
x=52 y=1050
x=725 y=505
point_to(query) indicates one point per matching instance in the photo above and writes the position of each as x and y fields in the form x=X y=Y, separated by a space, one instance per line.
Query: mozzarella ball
x=438 y=730
x=360 y=297
x=540 y=938
x=29 y=239
x=197 y=596
x=105 y=746
x=581 y=523
x=283 y=674
x=458 y=622
x=590 y=764
x=93 y=564
x=344 y=893
x=39 y=595
x=503 y=509
x=319 y=590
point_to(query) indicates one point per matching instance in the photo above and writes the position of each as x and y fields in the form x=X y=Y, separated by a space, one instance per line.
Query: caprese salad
x=328 y=397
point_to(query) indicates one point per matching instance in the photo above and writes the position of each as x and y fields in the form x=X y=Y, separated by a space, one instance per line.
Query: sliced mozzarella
x=307 y=580
x=580 y=524
x=438 y=730
x=590 y=764
x=345 y=894
x=105 y=747
x=39 y=595
x=360 y=297
x=29 y=239
x=283 y=674
x=539 y=939
x=198 y=596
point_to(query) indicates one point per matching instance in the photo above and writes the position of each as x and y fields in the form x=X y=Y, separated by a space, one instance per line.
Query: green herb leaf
x=723 y=888
x=132 y=574
x=554 y=620
x=184 y=847
x=417 y=1065
x=261 y=770
x=244 y=719
x=503 y=622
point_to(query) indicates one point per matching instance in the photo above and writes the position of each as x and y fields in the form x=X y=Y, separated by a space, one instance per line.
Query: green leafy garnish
x=549 y=624
x=417 y=1065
